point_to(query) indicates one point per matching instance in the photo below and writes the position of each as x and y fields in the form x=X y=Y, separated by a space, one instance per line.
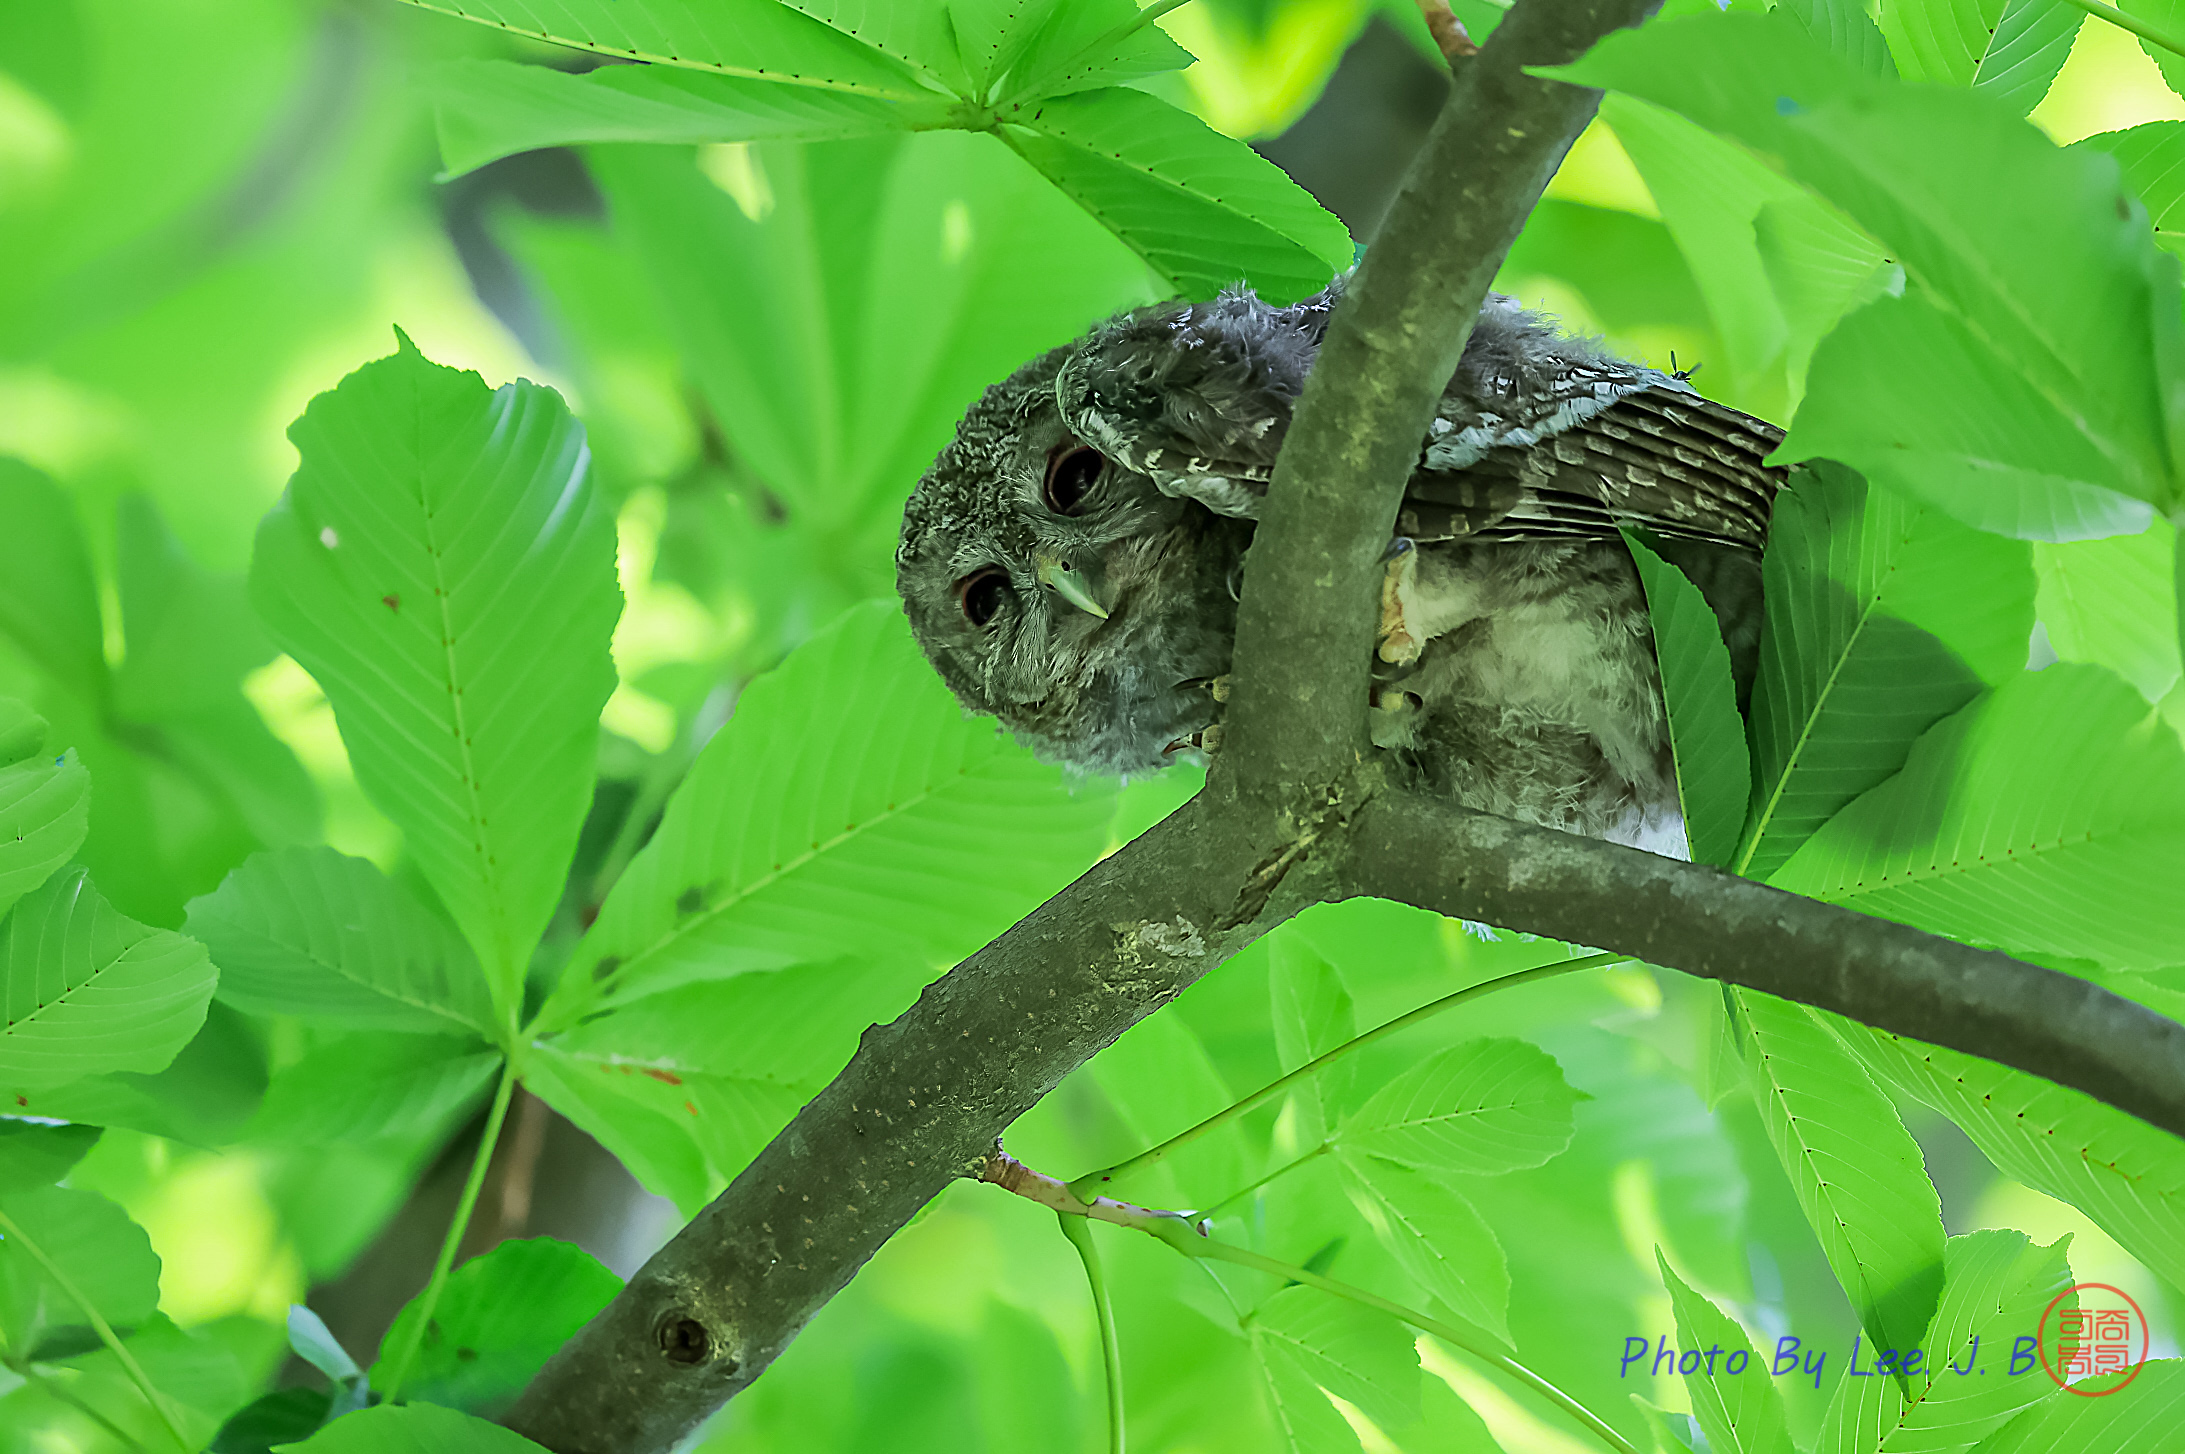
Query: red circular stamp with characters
x=2105 y=1333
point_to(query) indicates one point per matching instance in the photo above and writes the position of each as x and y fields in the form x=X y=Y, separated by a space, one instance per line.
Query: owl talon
x=1398 y=646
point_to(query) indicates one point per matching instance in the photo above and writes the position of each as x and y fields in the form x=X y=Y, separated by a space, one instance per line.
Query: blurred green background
x=211 y=210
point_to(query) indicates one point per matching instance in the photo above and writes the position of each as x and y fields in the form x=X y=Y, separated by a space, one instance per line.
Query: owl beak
x=1078 y=586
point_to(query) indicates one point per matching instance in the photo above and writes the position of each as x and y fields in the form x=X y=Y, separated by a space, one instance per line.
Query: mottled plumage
x=1071 y=561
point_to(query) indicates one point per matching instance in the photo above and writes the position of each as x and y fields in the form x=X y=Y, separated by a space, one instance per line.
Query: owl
x=1072 y=561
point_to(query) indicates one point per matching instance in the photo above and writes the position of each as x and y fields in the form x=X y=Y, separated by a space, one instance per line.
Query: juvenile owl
x=1072 y=561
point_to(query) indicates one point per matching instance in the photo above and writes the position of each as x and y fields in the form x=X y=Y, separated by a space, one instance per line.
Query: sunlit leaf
x=2018 y=252
x=2011 y=48
x=2113 y=603
x=444 y=568
x=1437 y=1237
x=2167 y=15
x=802 y=833
x=498 y=1319
x=88 y=990
x=1857 y=1172
x=837 y=397
x=1742 y=1413
x=1871 y=637
x=1203 y=209
x=763 y=39
x=2152 y=156
x=1481 y=1106
x=1996 y=1286
x=414 y=1429
x=1065 y=53
x=49 y=603
x=721 y=1065
x=2123 y=1173
x=1714 y=770
x=312 y=932
x=1313 y=1014
x=105 y=1258
x=374 y=1084
x=486 y=110
x=1982 y=838
x=2145 y=1421
x=1845 y=27
x=32 y=1155
x=1308 y=1341
x=45 y=804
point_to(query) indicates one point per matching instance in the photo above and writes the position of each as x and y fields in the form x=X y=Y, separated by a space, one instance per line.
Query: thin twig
x=1079 y=1231
x=398 y=1368
x=1450 y=37
x=2144 y=29
x=1085 y=1185
x=1187 y=1235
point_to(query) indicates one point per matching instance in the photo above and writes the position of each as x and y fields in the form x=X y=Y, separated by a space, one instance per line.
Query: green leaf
x=1883 y=617
x=32 y=1155
x=191 y=635
x=486 y=110
x=2011 y=48
x=370 y=1085
x=1064 y=54
x=1307 y=1341
x=88 y=991
x=285 y=1416
x=1981 y=838
x=2113 y=603
x=802 y=833
x=1844 y=27
x=761 y=39
x=1857 y=1172
x=1714 y=770
x=2144 y=1421
x=1821 y=268
x=45 y=804
x=1483 y=1106
x=444 y=568
x=104 y=1256
x=889 y=283
x=656 y=1146
x=49 y=600
x=1914 y=397
x=2124 y=1174
x=413 y=1429
x=1742 y=1413
x=312 y=932
x=2168 y=15
x=2152 y=157
x=1204 y=210
x=1995 y=1287
x=1313 y=1014
x=2022 y=261
x=1436 y=1236
x=1710 y=191
x=499 y=1318
x=725 y=1064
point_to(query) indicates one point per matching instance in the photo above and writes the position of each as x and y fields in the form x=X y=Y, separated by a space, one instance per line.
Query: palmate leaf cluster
x=1971 y=332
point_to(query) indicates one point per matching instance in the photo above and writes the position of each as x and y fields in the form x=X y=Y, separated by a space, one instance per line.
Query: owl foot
x=1399 y=582
x=1394 y=719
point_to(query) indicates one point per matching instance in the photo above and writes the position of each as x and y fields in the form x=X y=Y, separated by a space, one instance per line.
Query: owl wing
x=1537 y=436
x=1628 y=450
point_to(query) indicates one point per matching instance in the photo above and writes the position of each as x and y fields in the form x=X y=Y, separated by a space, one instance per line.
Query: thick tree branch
x=1713 y=924
x=1296 y=813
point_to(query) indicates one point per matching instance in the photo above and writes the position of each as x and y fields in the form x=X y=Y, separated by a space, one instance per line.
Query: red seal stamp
x=2106 y=1333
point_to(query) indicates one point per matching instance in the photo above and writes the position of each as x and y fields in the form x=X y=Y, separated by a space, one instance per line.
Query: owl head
x=1063 y=592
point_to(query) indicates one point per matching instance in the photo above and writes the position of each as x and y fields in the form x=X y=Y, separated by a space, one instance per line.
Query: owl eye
x=1071 y=472
x=983 y=593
